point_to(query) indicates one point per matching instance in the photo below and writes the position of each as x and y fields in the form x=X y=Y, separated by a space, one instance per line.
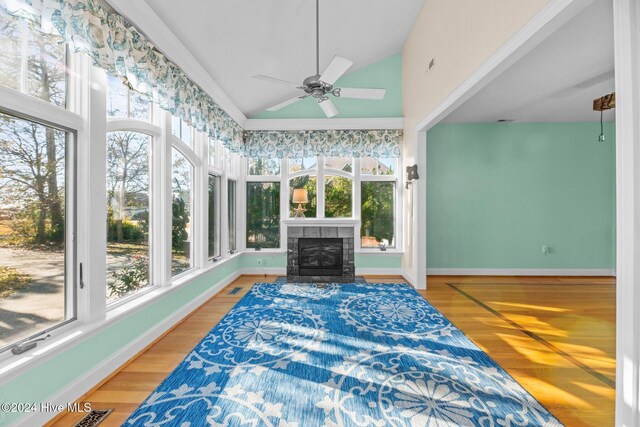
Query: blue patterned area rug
x=329 y=355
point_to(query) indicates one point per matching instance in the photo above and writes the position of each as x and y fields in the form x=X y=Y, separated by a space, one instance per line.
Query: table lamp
x=299 y=196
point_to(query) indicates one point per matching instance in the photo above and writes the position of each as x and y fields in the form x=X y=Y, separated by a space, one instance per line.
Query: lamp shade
x=300 y=196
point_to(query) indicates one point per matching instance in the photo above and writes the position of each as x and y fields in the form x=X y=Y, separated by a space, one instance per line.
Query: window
x=344 y=187
x=181 y=204
x=31 y=61
x=373 y=166
x=231 y=204
x=339 y=163
x=182 y=130
x=213 y=152
x=125 y=103
x=263 y=167
x=309 y=183
x=128 y=185
x=338 y=196
x=214 y=217
x=263 y=215
x=36 y=291
x=377 y=213
x=307 y=163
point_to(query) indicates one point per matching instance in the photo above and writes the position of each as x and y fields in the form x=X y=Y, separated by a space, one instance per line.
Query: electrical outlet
x=546 y=250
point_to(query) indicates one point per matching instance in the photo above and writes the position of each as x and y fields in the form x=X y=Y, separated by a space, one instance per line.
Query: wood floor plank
x=575 y=315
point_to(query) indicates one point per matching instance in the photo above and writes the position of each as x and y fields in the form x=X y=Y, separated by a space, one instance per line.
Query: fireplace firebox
x=320 y=257
x=320 y=254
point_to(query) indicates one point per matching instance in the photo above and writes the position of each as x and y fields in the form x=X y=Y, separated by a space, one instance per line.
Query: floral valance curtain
x=340 y=143
x=117 y=47
x=92 y=28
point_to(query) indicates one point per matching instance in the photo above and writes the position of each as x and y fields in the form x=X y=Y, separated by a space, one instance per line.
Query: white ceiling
x=234 y=40
x=555 y=82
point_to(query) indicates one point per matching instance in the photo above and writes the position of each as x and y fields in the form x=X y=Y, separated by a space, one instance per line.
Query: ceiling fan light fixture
x=320 y=86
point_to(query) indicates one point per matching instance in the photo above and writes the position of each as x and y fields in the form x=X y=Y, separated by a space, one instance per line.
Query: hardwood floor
x=554 y=335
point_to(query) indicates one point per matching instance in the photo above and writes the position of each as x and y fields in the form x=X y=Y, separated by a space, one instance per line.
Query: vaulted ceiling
x=235 y=40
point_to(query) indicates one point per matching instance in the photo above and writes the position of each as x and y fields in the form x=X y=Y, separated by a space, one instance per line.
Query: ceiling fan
x=321 y=85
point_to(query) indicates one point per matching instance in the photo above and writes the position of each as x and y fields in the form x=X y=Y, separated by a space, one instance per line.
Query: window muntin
x=310 y=183
x=231 y=205
x=181 y=207
x=263 y=167
x=377 y=213
x=182 y=130
x=31 y=61
x=338 y=197
x=128 y=204
x=263 y=215
x=125 y=103
x=377 y=166
x=35 y=197
x=213 y=235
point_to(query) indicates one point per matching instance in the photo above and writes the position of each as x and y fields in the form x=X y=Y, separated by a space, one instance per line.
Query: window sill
x=12 y=366
x=272 y=251
x=374 y=251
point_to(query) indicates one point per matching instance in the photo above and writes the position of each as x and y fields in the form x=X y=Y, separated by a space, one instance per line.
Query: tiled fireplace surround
x=346 y=233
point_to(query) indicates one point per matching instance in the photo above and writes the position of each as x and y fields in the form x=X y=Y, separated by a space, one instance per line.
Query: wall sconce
x=299 y=196
x=412 y=175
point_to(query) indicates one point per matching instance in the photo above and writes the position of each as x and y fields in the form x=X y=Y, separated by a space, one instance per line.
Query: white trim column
x=91 y=194
x=419 y=189
x=627 y=65
x=161 y=200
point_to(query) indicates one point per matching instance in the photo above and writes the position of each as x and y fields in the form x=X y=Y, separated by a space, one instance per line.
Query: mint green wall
x=46 y=379
x=384 y=74
x=268 y=260
x=496 y=193
x=387 y=260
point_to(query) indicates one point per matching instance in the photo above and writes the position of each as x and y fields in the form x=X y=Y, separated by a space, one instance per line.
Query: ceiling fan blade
x=328 y=108
x=361 y=93
x=335 y=70
x=274 y=80
x=285 y=103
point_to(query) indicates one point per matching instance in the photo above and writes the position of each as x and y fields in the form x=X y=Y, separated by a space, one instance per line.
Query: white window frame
x=397 y=207
x=154 y=131
x=284 y=197
x=197 y=221
x=216 y=170
x=320 y=171
x=27 y=107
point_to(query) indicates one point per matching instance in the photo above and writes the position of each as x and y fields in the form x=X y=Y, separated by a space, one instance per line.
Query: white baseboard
x=520 y=272
x=282 y=271
x=73 y=391
x=378 y=271
x=409 y=278
x=279 y=271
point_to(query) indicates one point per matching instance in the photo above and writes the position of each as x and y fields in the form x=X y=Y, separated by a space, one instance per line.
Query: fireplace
x=320 y=257
x=320 y=254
